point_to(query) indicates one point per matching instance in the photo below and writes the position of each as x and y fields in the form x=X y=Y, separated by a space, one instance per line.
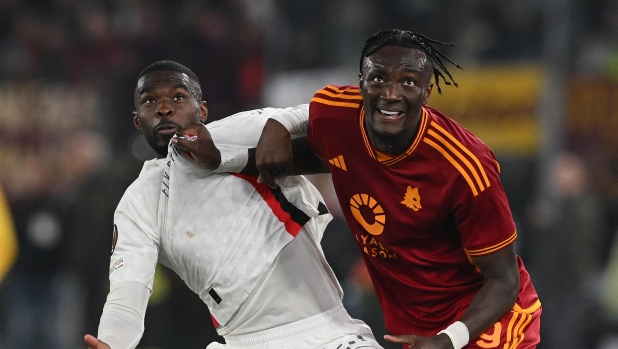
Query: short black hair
x=196 y=89
x=404 y=38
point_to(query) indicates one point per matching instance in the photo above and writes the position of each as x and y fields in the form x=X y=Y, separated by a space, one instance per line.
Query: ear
x=136 y=121
x=428 y=90
x=203 y=111
x=361 y=81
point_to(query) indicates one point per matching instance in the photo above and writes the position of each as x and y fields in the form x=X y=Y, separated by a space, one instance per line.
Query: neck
x=393 y=144
x=390 y=145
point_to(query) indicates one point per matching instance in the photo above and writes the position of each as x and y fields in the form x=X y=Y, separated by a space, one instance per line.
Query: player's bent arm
x=304 y=161
x=498 y=294
x=122 y=322
x=222 y=151
x=274 y=153
x=295 y=119
x=495 y=298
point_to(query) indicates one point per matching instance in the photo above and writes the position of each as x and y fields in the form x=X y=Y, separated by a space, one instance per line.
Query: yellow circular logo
x=359 y=200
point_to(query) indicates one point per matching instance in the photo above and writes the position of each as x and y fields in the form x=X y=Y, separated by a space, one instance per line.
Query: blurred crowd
x=68 y=147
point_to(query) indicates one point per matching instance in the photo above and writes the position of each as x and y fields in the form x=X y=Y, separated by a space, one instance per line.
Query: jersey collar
x=387 y=159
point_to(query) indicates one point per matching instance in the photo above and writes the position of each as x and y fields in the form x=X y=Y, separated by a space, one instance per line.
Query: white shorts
x=333 y=329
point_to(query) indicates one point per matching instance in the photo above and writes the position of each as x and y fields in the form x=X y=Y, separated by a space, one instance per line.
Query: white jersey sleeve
x=136 y=237
x=294 y=119
x=236 y=133
x=122 y=321
x=245 y=128
x=133 y=261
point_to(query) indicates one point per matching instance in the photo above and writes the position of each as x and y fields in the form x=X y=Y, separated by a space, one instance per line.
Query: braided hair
x=404 y=38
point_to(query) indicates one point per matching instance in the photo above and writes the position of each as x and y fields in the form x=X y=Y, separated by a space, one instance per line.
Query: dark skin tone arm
x=266 y=160
x=276 y=154
x=494 y=299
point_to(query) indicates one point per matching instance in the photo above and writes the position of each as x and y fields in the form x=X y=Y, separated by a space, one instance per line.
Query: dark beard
x=160 y=147
x=387 y=140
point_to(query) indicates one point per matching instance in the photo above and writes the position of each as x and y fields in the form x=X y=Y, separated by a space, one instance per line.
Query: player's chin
x=388 y=131
x=161 y=147
x=163 y=141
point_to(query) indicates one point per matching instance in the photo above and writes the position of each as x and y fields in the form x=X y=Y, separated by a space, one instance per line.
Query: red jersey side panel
x=417 y=216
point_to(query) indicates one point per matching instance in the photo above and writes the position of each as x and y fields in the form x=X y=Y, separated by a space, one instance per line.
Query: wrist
x=458 y=333
x=216 y=161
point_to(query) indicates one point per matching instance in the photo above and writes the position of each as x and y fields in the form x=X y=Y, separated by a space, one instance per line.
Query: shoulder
x=332 y=101
x=459 y=152
x=449 y=134
x=145 y=189
x=338 y=96
x=241 y=117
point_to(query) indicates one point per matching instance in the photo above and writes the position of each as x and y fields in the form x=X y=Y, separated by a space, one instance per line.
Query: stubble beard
x=159 y=147
x=386 y=139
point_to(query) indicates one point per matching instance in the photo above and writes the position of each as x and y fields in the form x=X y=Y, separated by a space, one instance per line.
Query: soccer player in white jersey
x=251 y=253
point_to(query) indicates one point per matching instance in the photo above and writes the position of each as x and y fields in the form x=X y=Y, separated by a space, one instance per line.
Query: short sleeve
x=313 y=130
x=482 y=212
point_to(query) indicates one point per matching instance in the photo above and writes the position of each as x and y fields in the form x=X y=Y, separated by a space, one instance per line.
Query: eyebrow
x=175 y=87
x=406 y=69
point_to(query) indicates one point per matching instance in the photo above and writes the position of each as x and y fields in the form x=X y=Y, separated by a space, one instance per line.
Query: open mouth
x=166 y=129
x=391 y=115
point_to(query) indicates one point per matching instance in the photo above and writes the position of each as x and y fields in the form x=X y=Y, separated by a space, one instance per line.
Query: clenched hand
x=197 y=140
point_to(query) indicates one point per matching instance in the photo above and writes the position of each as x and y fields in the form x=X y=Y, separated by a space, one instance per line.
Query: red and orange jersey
x=417 y=216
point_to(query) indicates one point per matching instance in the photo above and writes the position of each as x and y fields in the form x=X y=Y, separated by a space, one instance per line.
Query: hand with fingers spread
x=274 y=157
x=94 y=343
x=197 y=140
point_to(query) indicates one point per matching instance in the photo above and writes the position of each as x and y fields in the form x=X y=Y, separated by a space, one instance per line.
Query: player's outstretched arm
x=94 y=343
x=277 y=154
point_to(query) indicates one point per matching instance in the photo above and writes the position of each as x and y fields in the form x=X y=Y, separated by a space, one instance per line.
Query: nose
x=391 y=92
x=165 y=108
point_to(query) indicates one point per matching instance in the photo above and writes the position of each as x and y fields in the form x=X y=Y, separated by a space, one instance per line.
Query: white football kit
x=251 y=253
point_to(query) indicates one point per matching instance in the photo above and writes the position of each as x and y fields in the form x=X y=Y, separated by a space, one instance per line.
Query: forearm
x=122 y=322
x=304 y=161
x=227 y=137
x=491 y=303
x=493 y=300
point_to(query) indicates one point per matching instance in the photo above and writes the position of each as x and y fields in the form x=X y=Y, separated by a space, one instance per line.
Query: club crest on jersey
x=114 y=238
x=412 y=199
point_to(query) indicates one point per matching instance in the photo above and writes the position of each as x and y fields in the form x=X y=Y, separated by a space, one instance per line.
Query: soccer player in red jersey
x=423 y=198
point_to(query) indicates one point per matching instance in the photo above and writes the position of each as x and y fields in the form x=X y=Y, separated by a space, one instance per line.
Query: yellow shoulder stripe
x=338 y=104
x=454 y=162
x=462 y=147
x=351 y=89
x=339 y=95
x=460 y=156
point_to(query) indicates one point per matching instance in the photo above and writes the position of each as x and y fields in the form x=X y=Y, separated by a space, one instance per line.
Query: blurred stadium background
x=539 y=86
